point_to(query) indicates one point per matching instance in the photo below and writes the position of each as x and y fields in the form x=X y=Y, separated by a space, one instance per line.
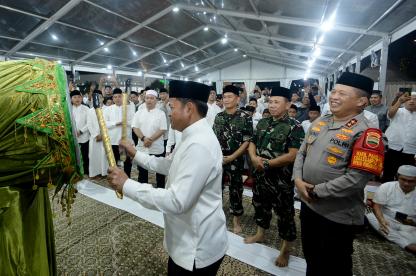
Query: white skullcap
x=413 y=93
x=151 y=92
x=407 y=170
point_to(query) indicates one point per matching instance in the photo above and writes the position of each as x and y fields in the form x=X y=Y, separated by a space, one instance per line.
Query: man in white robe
x=395 y=209
x=98 y=160
x=79 y=112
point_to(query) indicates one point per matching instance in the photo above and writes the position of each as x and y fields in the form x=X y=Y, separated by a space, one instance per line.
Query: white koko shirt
x=149 y=122
x=402 y=131
x=191 y=203
x=113 y=115
x=80 y=114
x=213 y=110
x=393 y=199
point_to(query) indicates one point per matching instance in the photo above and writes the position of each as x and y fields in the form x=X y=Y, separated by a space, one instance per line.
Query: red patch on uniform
x=368 y=152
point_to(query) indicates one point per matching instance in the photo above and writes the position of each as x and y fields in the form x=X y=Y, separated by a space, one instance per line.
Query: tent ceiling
x=149 y=36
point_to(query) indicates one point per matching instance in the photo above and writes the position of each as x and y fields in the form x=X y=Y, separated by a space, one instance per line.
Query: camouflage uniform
x=232 y=130
x=274 y=187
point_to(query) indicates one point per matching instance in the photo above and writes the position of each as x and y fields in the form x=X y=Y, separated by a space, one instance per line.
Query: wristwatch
x=266 y=164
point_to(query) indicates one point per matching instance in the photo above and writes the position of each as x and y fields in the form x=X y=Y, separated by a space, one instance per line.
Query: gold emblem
x=331 y=160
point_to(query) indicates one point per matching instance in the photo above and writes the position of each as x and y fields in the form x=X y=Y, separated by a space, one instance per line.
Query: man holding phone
x=395 y=209
x=401 y=135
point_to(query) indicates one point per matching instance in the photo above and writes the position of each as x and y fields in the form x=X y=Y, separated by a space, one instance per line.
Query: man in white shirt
x=395 y=209
x=195 y=228
x=313 y=114
x=256 y=115
x=163 y=105
x=401 y=135
x=98 y=164
x=213 y=108
x=113 y=116
x=80 y=114
x=149 y=124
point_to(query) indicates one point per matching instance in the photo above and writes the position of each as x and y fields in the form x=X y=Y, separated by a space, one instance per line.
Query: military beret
x=189 y=90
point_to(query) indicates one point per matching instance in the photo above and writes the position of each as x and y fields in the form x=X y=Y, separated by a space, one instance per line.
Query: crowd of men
x=326 y=150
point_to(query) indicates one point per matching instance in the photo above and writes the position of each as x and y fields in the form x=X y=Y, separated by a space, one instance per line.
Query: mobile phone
x=405 y=89
x=400 y=216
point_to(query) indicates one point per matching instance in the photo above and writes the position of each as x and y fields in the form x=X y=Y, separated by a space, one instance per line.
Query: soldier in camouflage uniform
x=272 y=152
x=234 y=130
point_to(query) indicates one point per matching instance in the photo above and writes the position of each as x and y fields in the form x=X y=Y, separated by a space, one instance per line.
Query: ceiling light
x=54 y=37
x=164 y=60
x=168 y=75
x=59 y=61
x=175 y=9
x=206 y=29
x=108 y=77
x=199 y=80
x=106 y=49
x=235 y=49
x=328 y=24
x=109 y=67
x=182 y=65
x=101 y=43
x=317 y=52
x=134 y=53
x=139 y=73
x=196 y=69
x=244 y=55
x=204 y=12
x=224 y=40
x=186 y=79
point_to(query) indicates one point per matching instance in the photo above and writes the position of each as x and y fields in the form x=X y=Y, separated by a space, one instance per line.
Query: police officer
x=338 y=157
x=272 y=152
x=234 y=130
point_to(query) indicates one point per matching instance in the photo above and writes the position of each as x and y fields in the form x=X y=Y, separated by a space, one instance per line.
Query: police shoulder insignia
x=316 y=129
x=322 y=123
x=351 y=123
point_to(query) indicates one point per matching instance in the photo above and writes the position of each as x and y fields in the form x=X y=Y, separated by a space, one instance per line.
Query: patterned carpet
x=103 y=240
